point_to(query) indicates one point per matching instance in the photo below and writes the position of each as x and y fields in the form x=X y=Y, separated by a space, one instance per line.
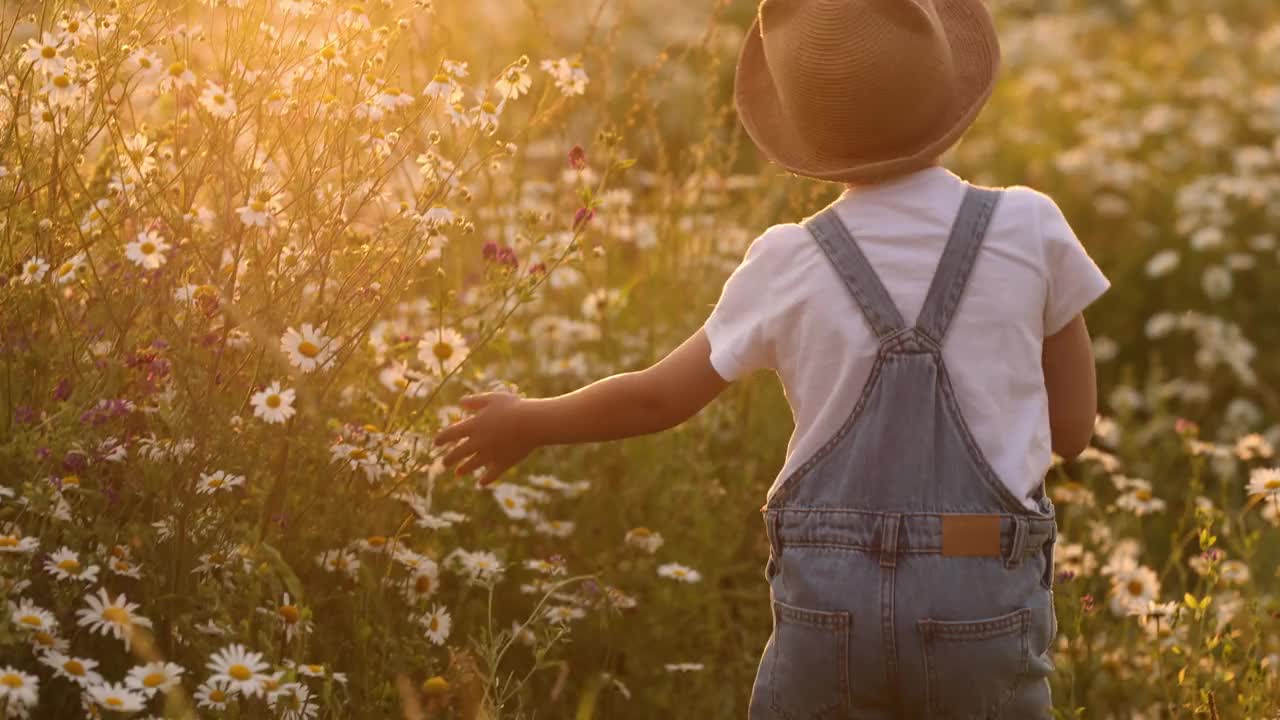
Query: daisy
x=148 y=250
x=158 y=676
x=513 y=83
x=111 y=617
x=18 y=689
x=480 y=566
x=1139 y=500
x=443 y=351
x=1264 y=481
x=33 y=270
x=422 y=584
x=512 y=500
x=65 y=565
x=45 y=54
x=457 y=69
x=442 y=88
x=561 y=614
x=644 y=539
x=144 y=62
x=545 y=567
x=62 y=91
x=600 y=301
x=78 y=670
x=339 y=561
x=293 y=702
x=291 y=617
x=261 y=210
x=29 y=616
x=436 y=624
x=273 y=404
x=317 y=671
x=309 y=349
x=218 y=480
x=676 y=571
x=115 y=696
x=214 y=694
x=683 y=667
x=570 y=78
x=487 y=114
x=399 y=378
x=1133 y=587
x=555 y=528
x=436 y=216
x=242 y=670
x=71 y=269
x=14 y=542
x=217 y=101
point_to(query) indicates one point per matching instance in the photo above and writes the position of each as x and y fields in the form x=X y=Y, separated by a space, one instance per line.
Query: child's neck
x=937 y=162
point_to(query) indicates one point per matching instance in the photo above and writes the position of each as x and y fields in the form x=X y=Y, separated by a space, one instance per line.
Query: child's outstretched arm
x=505 y=428
x=1070 y=379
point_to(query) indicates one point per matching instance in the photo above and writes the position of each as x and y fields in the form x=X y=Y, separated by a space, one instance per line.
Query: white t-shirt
x=785 y=308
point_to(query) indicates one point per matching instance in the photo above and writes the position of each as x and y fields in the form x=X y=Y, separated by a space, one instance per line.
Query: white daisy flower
x=443 y=351
x=1264 y=481
x=513 y=83
x=62 y=91
x=216 y=481
x=436 y=623
x=111 y=617
x=292 y=701
x=1131 y=587
x=596 y=304
x=262 y=210
x=644 y=539
x=65 y=565
x=480 y=566
x=45 y=54
x=569 y=75
x=177 y=75
x=31 y=617
x=18 y=690
x=441 y=87
x=13 y=541
x=512 y=500
x=561 y=614
x=308 y=349
x=242 y=670
x=487 y=115
x=343 y=561
x=155 y=677
x=117 y=697
x=218 y=101
x=317 y=671
x=148 y=250
x=290 y=617
x=437 y=215
x=33 y=270
x=70 y=269
x=676 y=571
x=399 y=378
x=422 y=584
x=78 y=670
x=555 y=528
x=214 y=694
x=273 y=405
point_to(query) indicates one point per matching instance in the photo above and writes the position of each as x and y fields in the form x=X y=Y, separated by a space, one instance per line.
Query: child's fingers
x=475 y=402
x=466 y=467
x=464 y=450
x=460 y=429
x=491 y=474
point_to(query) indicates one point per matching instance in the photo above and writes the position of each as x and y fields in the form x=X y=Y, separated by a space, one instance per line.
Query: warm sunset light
x=636 y=359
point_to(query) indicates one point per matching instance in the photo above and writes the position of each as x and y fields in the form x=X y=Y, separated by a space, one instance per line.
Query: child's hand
x=494 y=437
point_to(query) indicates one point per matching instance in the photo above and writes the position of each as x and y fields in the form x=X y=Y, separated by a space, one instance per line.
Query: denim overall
x=906 y=580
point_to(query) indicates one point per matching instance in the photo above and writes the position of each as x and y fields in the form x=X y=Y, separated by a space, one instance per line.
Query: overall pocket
x=973 y=667
x=809 y=670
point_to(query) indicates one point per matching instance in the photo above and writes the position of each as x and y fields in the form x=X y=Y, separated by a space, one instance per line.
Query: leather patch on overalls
x=971 y=535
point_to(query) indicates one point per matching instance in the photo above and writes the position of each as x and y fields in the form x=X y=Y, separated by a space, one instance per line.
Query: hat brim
x=969 y=28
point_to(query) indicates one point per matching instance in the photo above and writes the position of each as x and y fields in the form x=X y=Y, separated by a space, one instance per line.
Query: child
x=911 y=539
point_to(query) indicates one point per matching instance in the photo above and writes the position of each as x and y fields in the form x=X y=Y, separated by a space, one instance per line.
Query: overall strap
x=957 y=262
x=852 y=267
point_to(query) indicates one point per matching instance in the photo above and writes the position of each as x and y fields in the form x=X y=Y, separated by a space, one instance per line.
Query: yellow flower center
x=215 y=482
x=154 y=679
x=217 y=695
x=316 y=668
x=73 y=667
x=114 y=701
x=73 y=26
x=69 y=565
x=442 y=350
x=306 y=348
x=32 y=620
x=440 y=78
x=1143 y=495
x=219 y=98
x=1134 y=587
x=510 y=502
x=48 y=52
x=239 y=672
x=12 y=680
x=32 y=268
x=144 y=62
x=642 y=532
x=45 y=639
x=8 y=541
x=63 y=270
x=147 y=248
x=1272 y=484
x=177 y=69
x=71 y=480
x=435 y=686
x=62 y=82
x=328 y=53
x=575 y=64
x=273 y=401
x=116 y=615
x=401 y=383
x=488 y=107
x=434 y=625
x=289 y=613
x=377 y=540
x=121 y=565
x=422 y=584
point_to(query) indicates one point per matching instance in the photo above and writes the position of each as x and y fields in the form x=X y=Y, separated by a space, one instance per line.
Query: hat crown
x=854 y=72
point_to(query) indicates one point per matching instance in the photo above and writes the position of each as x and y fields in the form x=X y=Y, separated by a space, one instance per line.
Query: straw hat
x=861 y=90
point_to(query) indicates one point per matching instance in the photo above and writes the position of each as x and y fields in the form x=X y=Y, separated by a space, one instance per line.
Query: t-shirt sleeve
x=1073 y=278
x=739 y=326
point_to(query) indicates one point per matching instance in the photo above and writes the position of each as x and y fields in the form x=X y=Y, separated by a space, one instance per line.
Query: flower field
x=254 y=252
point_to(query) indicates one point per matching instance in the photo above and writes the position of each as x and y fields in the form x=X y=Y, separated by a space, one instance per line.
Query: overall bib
x=906 y=580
